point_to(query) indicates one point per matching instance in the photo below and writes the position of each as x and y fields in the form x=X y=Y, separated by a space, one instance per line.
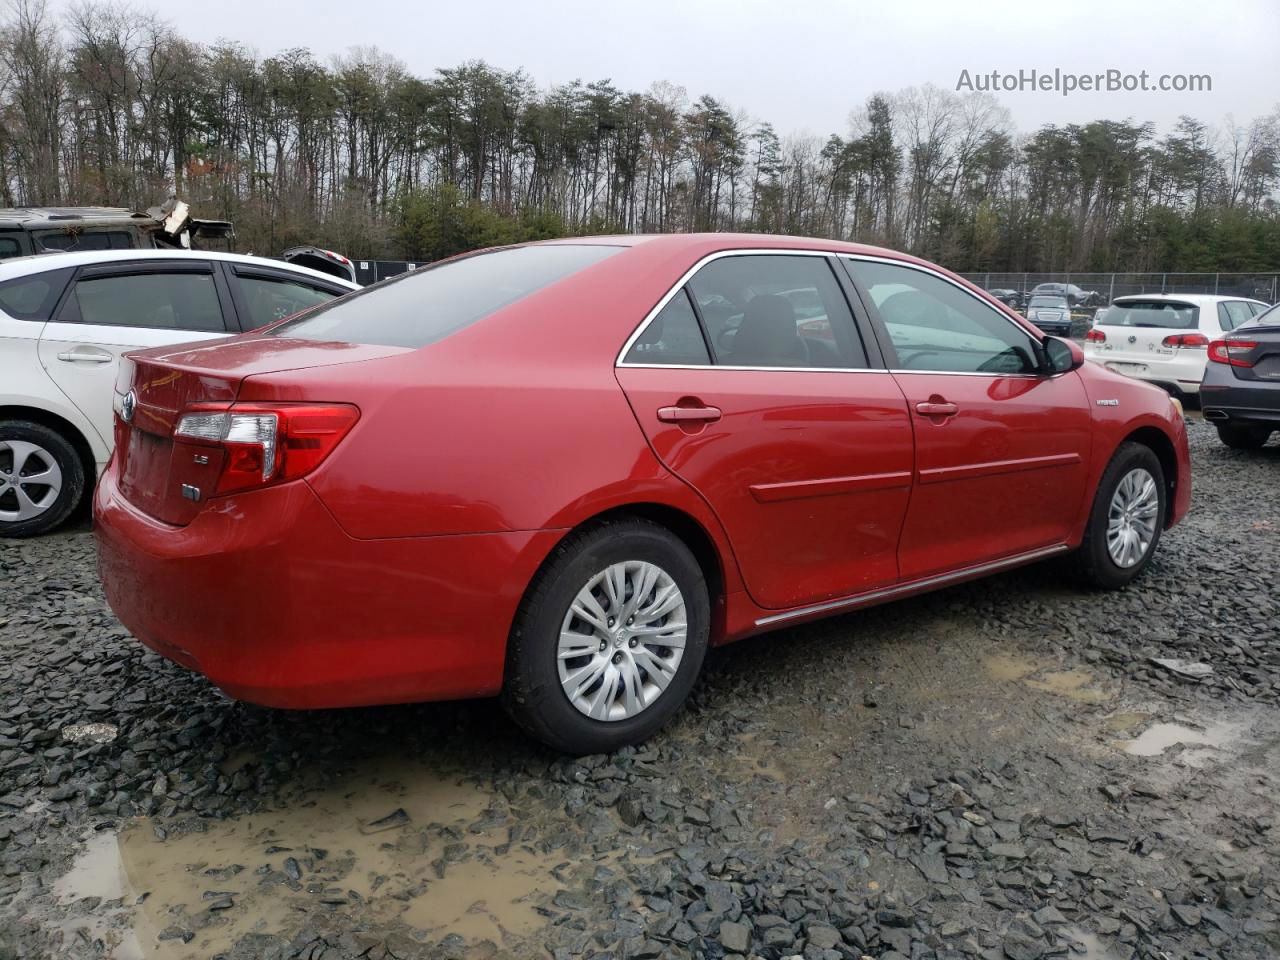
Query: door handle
x=72 y=356
x=937 y=408
x=688 y=414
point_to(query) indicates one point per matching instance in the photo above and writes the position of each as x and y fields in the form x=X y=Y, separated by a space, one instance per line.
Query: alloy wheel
x=1131 y=518
x=622 y=640
x=30 y=480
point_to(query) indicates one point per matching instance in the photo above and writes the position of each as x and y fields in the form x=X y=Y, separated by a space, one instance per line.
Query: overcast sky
x=800 y=64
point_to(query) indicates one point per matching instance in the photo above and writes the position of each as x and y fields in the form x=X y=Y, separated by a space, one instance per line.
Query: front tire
x=609 y=639
x=1243 y=436
x=41 y=478
x=1128 y=515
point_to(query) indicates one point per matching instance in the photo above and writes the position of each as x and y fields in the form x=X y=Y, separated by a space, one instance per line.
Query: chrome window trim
x=688 y=275
x=713 y=366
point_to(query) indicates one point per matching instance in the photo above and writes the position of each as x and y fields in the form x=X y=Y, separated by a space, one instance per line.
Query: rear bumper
x=271 y=600
x=1180 y=374
x=1241 y=400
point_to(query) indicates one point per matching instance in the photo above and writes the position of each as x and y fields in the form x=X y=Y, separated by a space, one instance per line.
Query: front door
x=1001 y=448
x=753 y=385
x=115 y=308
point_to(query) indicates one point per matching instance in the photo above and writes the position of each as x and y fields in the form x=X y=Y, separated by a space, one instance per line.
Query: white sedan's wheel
x=30 y=480
x=42 y=479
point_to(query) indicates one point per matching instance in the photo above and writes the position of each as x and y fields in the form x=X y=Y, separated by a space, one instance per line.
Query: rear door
x=754 y=384
x=1001 y=448
x=114 y=308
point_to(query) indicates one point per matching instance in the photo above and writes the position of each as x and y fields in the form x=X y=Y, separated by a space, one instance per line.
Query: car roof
x=60 y=214
x=41 y=262
x=702 y=244
x=1193 y=298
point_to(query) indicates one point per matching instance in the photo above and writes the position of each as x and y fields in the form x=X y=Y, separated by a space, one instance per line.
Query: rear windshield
x=427 y=304
x=1267 y=318
x=1153 y=313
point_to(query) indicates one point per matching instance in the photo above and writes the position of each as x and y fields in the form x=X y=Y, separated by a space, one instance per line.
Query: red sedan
x=560 y=471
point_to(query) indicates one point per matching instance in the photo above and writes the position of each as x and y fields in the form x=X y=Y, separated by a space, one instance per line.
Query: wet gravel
x=942 y=778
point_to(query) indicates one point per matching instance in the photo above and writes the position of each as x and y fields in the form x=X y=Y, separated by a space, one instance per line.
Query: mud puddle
x=1078 y=685
x=1200 y=739
x=391 y=844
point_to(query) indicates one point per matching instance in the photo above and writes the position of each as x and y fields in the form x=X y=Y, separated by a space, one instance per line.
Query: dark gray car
x=1241 y=389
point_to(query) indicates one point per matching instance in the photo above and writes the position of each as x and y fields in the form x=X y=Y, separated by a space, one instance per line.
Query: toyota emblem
x=126 y=406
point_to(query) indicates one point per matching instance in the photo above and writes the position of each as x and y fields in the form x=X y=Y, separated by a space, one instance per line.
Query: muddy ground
x=999 y=770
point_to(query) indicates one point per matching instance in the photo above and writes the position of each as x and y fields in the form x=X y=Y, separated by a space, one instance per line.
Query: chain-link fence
x=1099 y=289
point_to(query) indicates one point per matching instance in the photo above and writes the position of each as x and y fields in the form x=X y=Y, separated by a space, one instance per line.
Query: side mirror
x=1062 y=355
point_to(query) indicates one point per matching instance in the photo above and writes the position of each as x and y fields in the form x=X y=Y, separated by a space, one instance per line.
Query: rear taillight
x=1224 y=351
x=1095 y=336
x=1185 y=340
x=267 y=443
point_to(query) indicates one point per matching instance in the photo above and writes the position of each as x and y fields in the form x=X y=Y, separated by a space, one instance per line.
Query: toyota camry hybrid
x=559 y=472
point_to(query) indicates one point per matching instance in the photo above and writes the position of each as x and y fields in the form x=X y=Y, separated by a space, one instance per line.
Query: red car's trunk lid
x=156 y=386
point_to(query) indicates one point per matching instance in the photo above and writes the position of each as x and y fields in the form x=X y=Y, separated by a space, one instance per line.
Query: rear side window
x=1232 y=313
x=1154 y=313
x=776 y=310
x=85 y=240
x=672 y=338
x=33 y=297
x=157 y=301
x=267 y=300
x=9 y=248
x=426 y=305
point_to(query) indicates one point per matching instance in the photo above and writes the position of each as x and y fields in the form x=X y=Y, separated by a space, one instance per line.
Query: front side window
x=672 y=338
x=425 y=305
x=267 y=300
x=776 y=310
x=936 y=325
x=157 y=301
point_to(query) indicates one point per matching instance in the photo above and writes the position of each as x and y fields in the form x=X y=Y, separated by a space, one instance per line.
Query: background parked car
x=1050 y=313
x=1241 y=389
x=30 y=230
x=1075 y=296
x=66 y=318
x=326 y=261
x=1015 y=299
x=1164 y=338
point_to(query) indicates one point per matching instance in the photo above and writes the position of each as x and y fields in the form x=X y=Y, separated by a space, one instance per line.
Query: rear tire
x=29 y=454
x=1243 y=436
x=585 y=689
x=1122 y=533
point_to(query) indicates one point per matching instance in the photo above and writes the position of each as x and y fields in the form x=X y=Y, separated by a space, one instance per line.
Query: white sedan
x=1164 y=337
x=66 y=318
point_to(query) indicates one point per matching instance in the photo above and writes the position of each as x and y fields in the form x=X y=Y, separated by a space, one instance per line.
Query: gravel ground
x=999 y=770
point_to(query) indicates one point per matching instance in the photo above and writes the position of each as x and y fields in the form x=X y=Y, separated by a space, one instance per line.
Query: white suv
x=66 y=318
x=1164 y=337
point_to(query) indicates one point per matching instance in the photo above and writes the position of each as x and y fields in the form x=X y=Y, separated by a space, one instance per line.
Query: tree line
x=109 y=105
